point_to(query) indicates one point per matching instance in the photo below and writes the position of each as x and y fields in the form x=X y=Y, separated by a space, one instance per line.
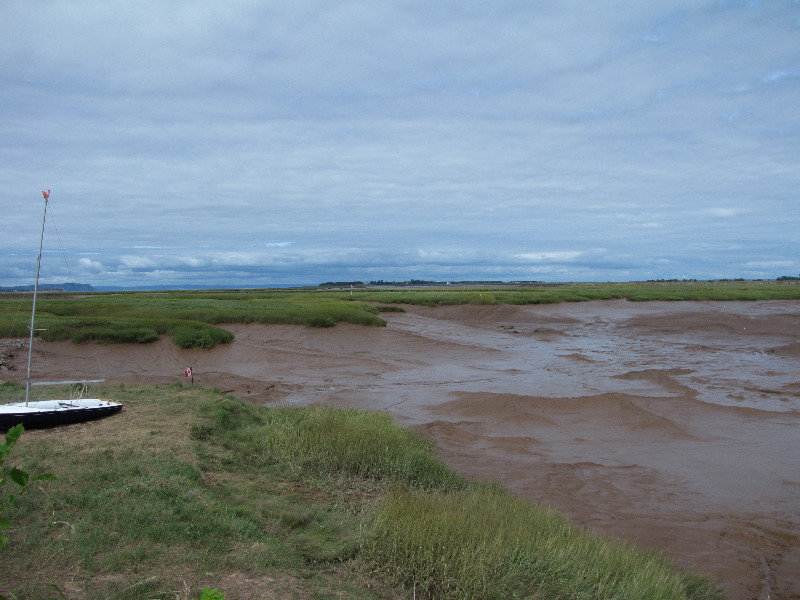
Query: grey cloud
x=364 y=132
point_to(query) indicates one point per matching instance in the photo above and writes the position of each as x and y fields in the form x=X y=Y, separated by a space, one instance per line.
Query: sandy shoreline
x=674 y=425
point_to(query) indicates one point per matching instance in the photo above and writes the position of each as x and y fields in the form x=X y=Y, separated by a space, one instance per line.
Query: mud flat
x=674 y=425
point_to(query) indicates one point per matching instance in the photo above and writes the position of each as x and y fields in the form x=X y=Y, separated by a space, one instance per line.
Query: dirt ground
x=673 y=425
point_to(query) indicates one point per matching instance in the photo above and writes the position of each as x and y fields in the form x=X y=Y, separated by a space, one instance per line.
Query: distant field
x=191 y=318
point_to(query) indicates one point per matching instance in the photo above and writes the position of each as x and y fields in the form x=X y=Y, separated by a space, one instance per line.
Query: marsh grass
x=389 y=308
x=583 y=292
x=191 y=318
x=186 y=486
x=323 y=441
x=483 y=542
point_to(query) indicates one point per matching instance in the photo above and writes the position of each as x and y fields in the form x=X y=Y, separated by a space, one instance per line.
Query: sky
x=254 y=143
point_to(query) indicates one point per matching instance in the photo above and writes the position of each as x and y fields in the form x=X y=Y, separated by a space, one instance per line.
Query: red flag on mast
x=46 y=194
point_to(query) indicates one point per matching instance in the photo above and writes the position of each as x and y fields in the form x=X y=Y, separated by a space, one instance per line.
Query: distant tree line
x=409 y=282
x=338 y=284
x=474 y=282
x=417 y=282
x=781 y=278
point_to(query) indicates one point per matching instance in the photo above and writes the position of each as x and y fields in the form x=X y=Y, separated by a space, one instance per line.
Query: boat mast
x=35 y=290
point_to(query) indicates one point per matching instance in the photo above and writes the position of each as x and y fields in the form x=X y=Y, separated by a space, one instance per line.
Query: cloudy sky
x=264 y=143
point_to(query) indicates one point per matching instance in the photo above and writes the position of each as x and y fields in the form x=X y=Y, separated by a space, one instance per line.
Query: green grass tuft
x=390 y=308
x=320 y=440
x=483 y=542
x=199 y=335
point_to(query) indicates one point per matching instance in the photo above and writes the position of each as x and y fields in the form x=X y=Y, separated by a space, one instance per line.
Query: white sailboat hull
x=47 y=413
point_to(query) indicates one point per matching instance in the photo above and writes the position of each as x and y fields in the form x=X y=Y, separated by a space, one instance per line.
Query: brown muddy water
x=673 y=425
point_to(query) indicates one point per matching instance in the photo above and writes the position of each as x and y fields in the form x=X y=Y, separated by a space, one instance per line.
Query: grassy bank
x=191 y=318
x=188 y=488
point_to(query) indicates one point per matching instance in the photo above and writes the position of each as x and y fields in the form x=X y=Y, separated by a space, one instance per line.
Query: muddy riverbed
x=674 y=425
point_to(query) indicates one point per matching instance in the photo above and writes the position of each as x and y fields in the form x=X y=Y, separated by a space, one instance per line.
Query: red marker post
x=188 y=373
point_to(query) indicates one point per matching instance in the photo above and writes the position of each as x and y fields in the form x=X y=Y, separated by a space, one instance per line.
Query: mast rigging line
x=63 y=252
x=35 y=290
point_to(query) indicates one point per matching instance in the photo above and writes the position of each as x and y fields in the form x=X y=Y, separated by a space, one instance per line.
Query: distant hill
x=85 y=287
x=193 y=286
x=51 y=287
